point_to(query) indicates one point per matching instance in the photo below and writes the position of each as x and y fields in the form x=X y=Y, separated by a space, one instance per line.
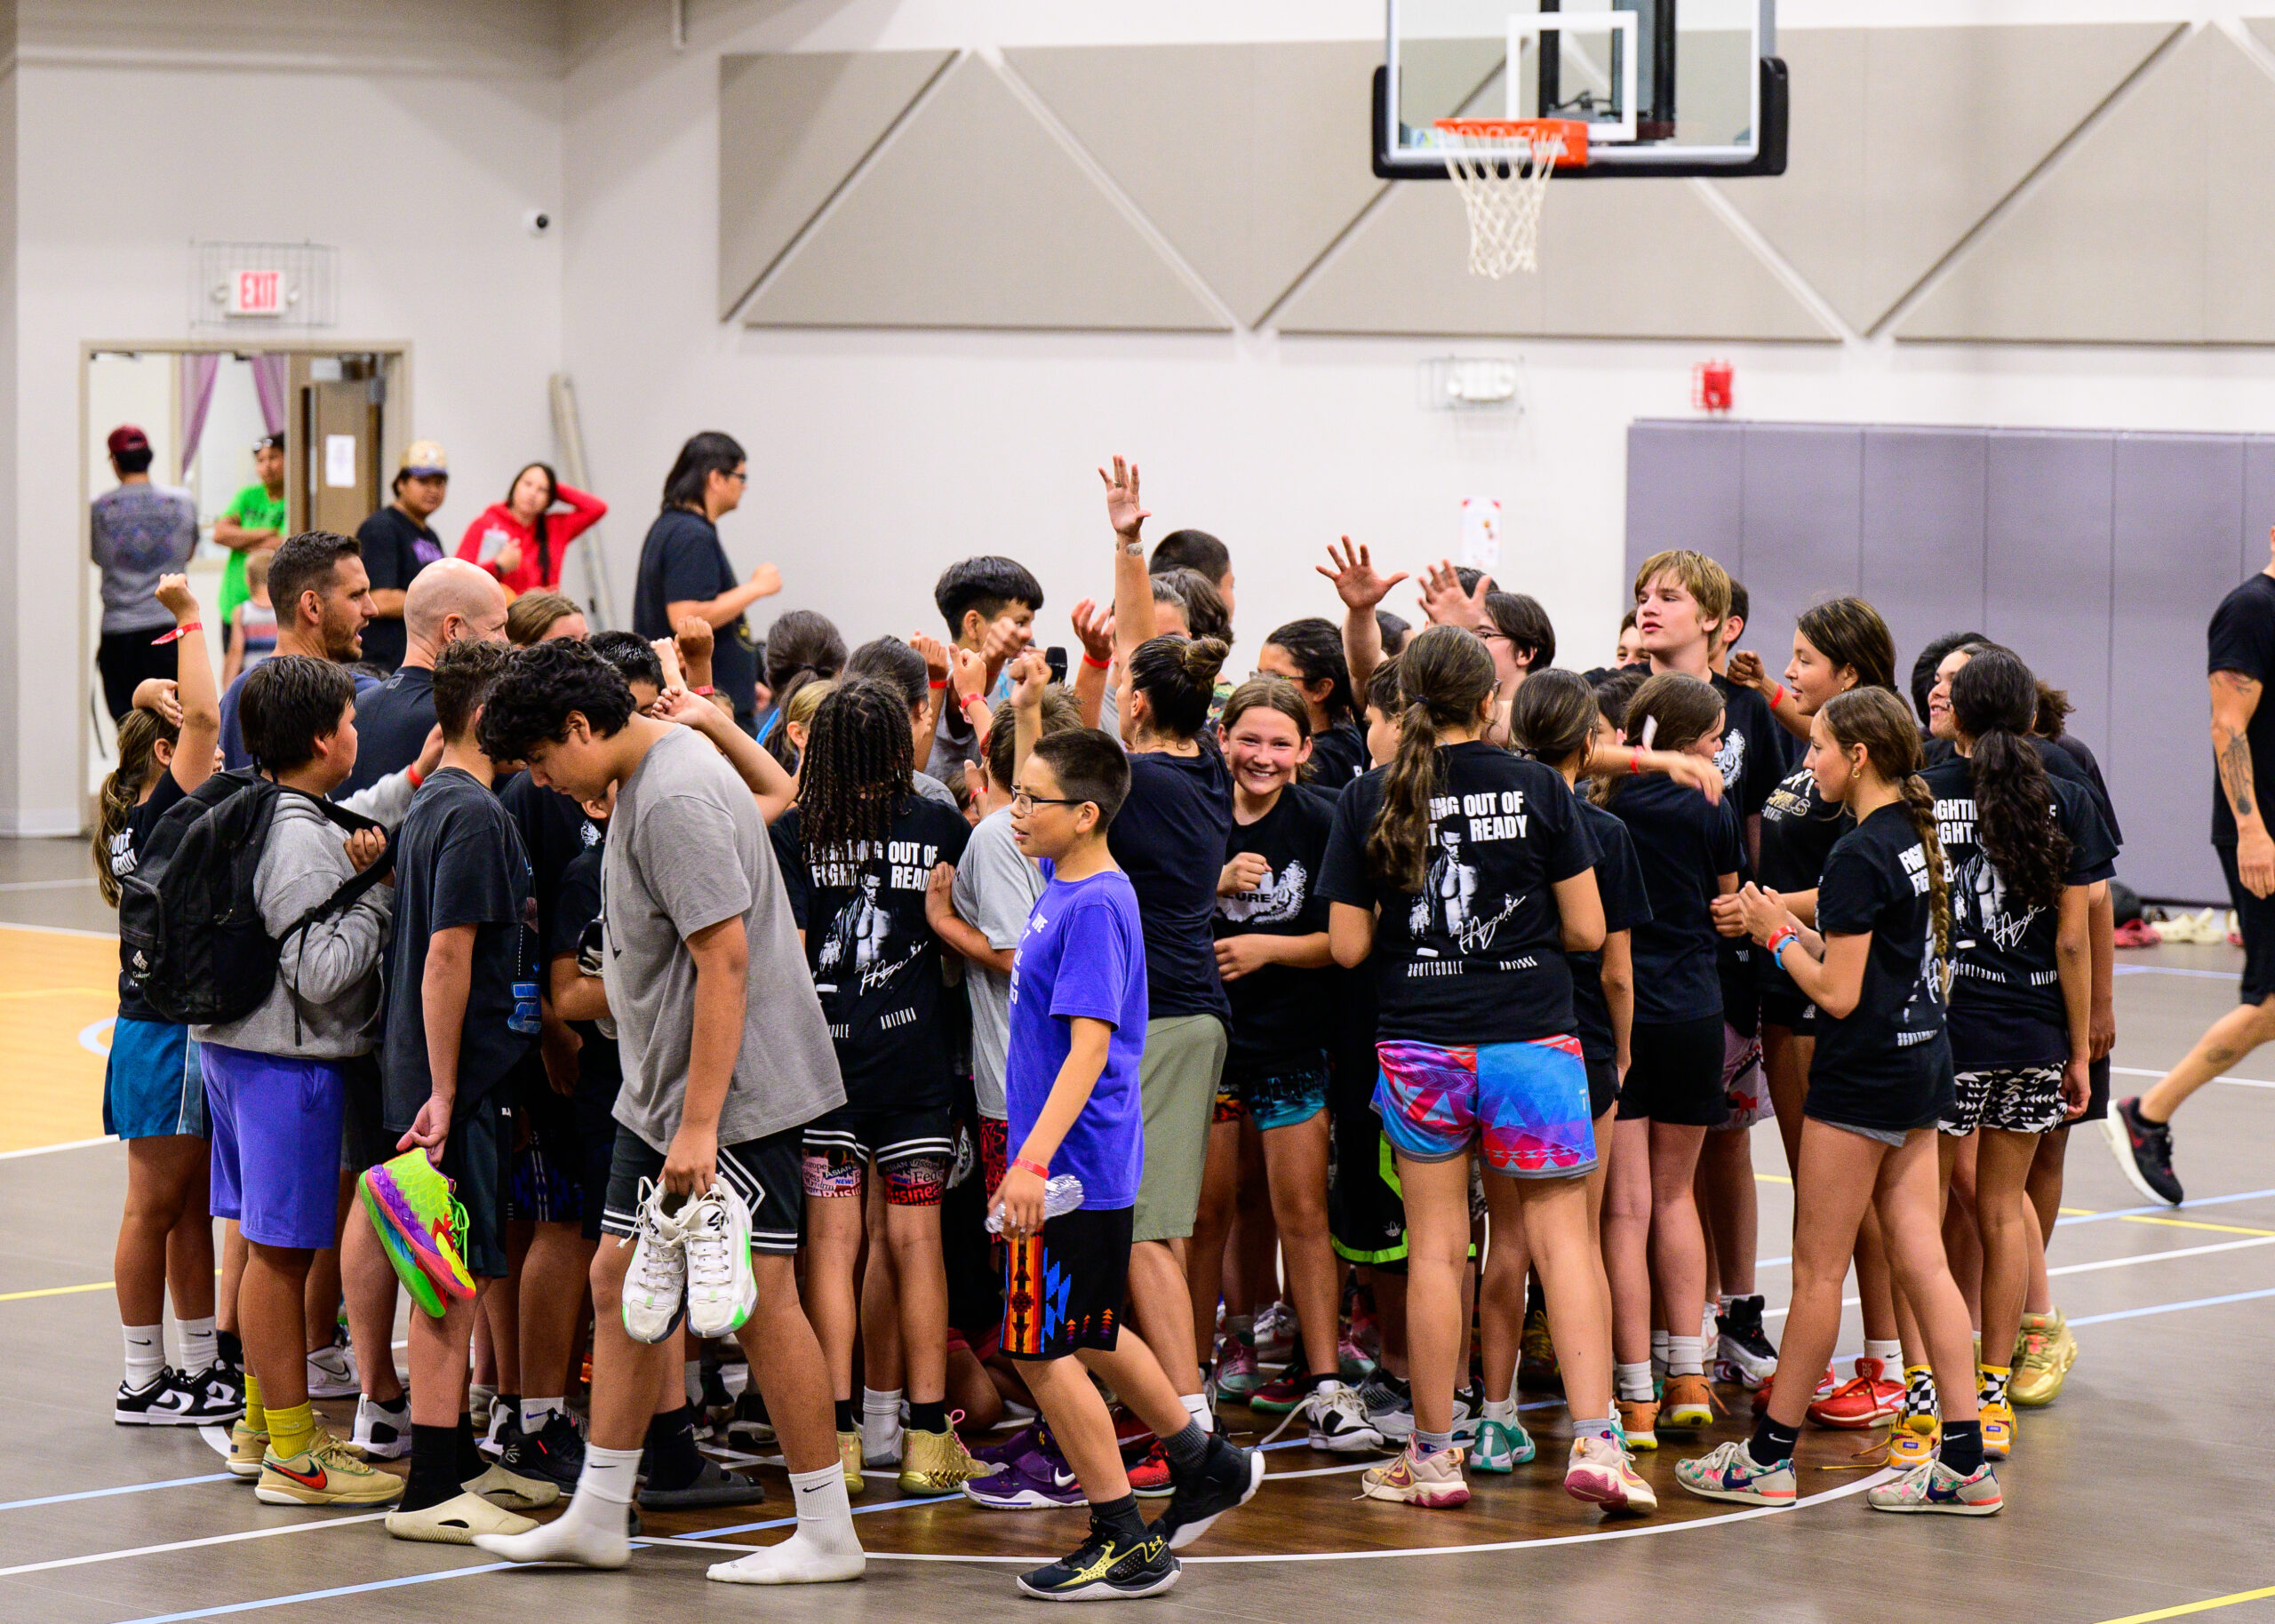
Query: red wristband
x=1776 y=695
x=939 y=682
x=1095 y=665
x=182 y=631
x=1635 y=761
x=1026 y=1165
x=704 y=692
x=417 y=777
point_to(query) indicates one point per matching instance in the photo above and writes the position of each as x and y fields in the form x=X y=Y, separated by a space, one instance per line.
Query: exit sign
x=257 y=293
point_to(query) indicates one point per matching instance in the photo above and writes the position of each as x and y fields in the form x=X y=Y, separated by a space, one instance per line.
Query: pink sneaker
x=1433 y=1482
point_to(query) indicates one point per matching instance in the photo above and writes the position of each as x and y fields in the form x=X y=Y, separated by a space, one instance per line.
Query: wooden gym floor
x=2141 y=1494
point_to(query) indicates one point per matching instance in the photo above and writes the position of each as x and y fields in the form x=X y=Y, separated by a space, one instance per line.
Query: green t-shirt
x=256 y=510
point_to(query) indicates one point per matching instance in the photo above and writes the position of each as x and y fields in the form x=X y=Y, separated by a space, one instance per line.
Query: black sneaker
x=222 y=1388
x=1744 y=1353
x=718 y=1404
x=1104 y=1568
x=1227 y=1476
x=555 y=1453
x=2144 y=1151
x=748 y=1429
x=171 y=1400
x=711 y=1487
x=503 y=1425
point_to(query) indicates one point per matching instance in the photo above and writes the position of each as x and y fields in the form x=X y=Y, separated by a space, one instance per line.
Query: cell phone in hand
x=1056 y=659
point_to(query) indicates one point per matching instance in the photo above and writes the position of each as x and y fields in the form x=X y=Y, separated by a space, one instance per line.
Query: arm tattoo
x=2236 y=775
x=2232 y=744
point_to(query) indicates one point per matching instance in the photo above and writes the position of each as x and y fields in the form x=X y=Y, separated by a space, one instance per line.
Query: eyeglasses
x=1021 y=801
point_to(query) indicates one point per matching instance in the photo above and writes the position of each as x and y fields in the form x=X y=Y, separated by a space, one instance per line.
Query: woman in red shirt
x=519 y=540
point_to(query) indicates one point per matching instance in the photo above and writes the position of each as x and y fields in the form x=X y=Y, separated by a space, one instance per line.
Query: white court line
x=45 y=885
x=72 y=1144
x=2110 y=1262
x=60 y=930
x=2240 y=1082
x=219 y=1538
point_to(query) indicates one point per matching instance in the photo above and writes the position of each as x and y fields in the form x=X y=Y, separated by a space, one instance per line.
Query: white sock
x=824 y=1549
x=1634 y=1381
x=1504 y=1410
x=693 y=1373
x=146 y=1354
x=594 y=1532
x=1889 y=1353
x=1686 y=1356
x=1707 y=1328
x=1727 y=1301
x=880 y=1422
x=535 y=1410
x=1659 y=1353
x=199 y=1348
x=1196 y=1405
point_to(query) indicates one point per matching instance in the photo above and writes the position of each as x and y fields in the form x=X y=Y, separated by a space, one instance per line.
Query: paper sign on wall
x=339 y=461
x=1481 y=532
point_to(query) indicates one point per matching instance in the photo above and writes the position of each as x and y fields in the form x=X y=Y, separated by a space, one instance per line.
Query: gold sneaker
x=247 y=1447
x=1998 y=1431
x=2043 y=1355
x=326 y=1474
x=936 y=1462
x=849 y=1456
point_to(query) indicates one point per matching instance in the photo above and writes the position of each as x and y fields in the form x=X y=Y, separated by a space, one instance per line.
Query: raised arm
x=2235 y=698
x=1094 y=630
x=199 y=738
x=760 y=772
x=1133 y=589
x=1362 y=590
x=1030 y=676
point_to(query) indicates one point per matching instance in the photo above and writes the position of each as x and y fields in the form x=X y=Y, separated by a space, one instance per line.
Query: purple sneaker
x=1036 y=1482
x=1028 y=1438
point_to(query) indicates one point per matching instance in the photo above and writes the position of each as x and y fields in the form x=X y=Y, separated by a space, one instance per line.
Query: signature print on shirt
x=1449 y=906
x=1978 y=890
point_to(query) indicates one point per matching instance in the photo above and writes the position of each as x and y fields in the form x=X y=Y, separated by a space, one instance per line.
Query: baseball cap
x=126 y=437
x=423 y=457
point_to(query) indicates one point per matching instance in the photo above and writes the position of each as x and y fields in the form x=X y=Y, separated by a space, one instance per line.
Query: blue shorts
x=153 y=1086
x=1285 y=1093
x=1523 y=1105
x=276 y=1131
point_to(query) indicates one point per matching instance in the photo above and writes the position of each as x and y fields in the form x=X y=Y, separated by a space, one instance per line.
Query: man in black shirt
x=449 y=600
x=2241 y=650
x=685 y=570
x=398 y=543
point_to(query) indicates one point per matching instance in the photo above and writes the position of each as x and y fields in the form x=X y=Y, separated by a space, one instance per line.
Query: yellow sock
x=256 y=1417
x=291 y=1431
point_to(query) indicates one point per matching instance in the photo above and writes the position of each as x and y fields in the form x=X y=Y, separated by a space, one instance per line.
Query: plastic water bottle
x=1062 y=1193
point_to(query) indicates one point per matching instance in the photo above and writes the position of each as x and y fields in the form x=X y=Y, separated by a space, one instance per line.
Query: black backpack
x=188 y=919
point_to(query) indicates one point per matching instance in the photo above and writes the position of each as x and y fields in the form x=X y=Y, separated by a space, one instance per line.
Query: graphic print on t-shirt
x=1278 y=898
x=858 y=953
x=1920 y=1021
x=1730 y=760
x=1448 y=913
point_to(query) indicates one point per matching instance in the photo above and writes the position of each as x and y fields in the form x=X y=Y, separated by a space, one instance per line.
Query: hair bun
x=1204 y=658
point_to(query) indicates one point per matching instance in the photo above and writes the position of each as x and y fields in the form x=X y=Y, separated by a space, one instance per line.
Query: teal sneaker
x=1502 y=1447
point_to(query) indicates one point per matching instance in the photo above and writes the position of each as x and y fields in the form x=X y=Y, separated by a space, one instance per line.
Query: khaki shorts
x=1185 y=1056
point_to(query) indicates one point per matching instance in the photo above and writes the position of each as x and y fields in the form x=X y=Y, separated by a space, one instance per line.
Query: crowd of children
x=1029 y=1068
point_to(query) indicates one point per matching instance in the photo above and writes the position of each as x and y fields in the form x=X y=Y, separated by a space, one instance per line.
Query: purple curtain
x=196 y=378
x=269 y=384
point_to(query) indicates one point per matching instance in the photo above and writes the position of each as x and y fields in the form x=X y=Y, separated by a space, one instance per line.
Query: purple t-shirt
x=1083 y=956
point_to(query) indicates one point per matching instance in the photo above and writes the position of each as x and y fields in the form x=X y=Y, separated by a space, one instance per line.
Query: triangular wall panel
x=974 y=215
x=1903 y=140
x=2153 y=230
x=791 y=128
x=1247 y=157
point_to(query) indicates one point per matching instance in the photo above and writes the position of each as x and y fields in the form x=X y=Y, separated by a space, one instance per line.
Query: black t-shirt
x=1752 y=757
x=2241 y=638
x=1169 y=838
x=392 y=722
x=2006 y=1008
x=459 y=861
x=1799 y=827
x=1338 y=757
x=126 y=851
x=1280 y=1013
x=1683 y=842
x=579 y=932
x=395 y=551
x=1626 y=905
x=875 y=959
x=683 y=561
x=1887 y=1063
x=1477 y=955
x=2065 y=758
x=554 y=832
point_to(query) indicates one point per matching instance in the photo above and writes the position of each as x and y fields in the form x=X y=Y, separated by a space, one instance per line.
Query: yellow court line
x=57 y=1291
x=2189 y=1223
x=1771 y=1178
x=2075 y=1211
x=2174 y=1612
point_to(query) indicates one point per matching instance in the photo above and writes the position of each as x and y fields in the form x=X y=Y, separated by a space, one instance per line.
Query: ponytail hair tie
x=1650 y=730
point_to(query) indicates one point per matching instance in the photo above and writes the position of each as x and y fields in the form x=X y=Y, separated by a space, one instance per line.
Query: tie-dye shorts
x=1523 y=1105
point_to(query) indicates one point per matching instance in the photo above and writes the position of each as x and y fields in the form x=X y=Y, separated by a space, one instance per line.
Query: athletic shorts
x=274 y=1125
x=596 y=1106
x=1366 y=1220
x=478 y=1159
x=913 y=1149
x=153 y=1086
x=1603 y=1087
x=1674 y=1073
x=2012 y=1099
x=1229 y=1106
x=364 y=1141
x=1788 y=1010
x=1523 y=1105
x=1284 y=1094
x=1894 y=1137
x=2255 y=919
x=994 y=1138
x=1745 y=1086
x=547 y=1185
x=764 y=1172
x=1176 y=1078
x=1062 y=1289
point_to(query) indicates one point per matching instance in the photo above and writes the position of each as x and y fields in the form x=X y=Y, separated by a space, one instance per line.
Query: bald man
x=449 y=600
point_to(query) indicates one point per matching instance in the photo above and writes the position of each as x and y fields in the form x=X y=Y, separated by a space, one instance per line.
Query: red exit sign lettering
x=257 y=293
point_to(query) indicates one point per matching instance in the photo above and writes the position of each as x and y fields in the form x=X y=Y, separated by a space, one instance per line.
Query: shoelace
x=710 y=1261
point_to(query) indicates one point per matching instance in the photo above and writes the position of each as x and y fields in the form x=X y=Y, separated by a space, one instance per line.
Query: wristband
x=939 y=683
x=968 y=700
x=704 y=692
x=179 y=632
x=1095 y=665
x=1026 y=1165
x=415 y=776
x=1777 y=954
x=1635 y=762
x=1776 y=695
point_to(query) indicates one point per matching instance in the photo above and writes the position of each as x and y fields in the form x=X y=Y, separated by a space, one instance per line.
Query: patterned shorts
x=1744 y=1085
x=2013 y=1098
x=1523 y=1105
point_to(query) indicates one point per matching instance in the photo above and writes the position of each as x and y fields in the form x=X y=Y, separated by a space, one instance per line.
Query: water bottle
x=1062 y=1193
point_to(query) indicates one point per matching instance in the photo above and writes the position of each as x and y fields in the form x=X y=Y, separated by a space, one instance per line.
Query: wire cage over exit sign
x=263 y=286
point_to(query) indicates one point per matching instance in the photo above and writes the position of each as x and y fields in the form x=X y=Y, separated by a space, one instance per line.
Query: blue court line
x=2170 y=1308
x=126 y=1488
x=2159 y=1210
x=319 y=1595
x=2166 y=969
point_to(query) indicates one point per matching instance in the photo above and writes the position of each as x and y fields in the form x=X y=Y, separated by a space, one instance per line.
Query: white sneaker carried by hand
x=656 y=1284
x=721 y=1292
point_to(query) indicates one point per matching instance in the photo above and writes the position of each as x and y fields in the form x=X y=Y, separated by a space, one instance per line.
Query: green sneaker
x=406 y=1267
x=407 y=1197
x=1502 y=1447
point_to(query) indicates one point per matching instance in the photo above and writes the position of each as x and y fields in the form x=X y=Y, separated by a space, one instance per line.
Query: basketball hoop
x=1501 y=168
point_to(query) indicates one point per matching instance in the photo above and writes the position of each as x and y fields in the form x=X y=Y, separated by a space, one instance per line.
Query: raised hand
x=1356 y=580
x=696 y=638
x=181 y=602
x=1444 y=602
x=1094 y=627
x=1030 y=676
x=1746 y=671
x=768 y=580
x=968 y=675
x=1123 y=508
x=936 y=656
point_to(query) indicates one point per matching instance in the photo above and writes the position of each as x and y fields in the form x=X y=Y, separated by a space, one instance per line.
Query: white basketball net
x=1502 y=179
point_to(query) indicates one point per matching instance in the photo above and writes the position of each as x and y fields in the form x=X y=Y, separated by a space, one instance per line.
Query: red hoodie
x=496 y=525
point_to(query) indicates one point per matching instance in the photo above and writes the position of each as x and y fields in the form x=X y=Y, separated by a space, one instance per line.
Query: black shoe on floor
x=748 y=1429
x=171 y=1400
x=1104 y=1568
x=555 y=1453
x=1226 y=1477
x=711 y=1487
x=2144 y=1150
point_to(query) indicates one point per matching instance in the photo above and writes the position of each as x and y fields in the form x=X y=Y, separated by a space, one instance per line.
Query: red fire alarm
x=1711 y=385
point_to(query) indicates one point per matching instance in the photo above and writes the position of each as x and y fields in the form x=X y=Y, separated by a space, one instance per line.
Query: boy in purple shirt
x=1077 y=1029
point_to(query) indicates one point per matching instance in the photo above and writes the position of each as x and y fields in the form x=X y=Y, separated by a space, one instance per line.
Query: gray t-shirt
x=141 y=531
x=996 y=889
x=686 y=850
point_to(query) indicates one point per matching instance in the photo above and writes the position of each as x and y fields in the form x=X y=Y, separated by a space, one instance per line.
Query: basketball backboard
x=1666 y=87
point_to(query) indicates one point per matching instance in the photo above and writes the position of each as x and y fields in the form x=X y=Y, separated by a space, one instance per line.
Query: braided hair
x=854 y=773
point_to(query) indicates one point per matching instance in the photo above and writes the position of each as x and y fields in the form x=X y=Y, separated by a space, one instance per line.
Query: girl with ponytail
x=1467 y=874
x=154 y=1092
x=2025 y=850
x=1879 y=1081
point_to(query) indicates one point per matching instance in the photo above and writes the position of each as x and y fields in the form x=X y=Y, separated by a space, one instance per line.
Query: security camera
x=539 y=221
